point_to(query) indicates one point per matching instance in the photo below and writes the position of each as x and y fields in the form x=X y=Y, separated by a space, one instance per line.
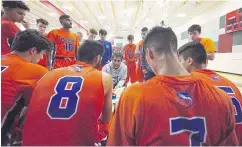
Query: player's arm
x=77 y=45
x=211 y=56
x=110 y=52
x=123 y=75
x=137 y=51
x=143 y=62
x=107 y=107
x=10 y=31
x=211 y=49
x=125 y=125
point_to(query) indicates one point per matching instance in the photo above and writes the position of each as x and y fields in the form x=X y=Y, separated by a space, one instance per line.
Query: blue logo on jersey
x=184 y=98
x=107 y=46
x=214 y=77
x=3 y=68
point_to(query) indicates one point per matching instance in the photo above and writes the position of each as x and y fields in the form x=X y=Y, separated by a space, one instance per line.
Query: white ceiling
x=119 y=17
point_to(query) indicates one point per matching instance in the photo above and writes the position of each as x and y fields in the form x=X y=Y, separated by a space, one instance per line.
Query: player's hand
x=50 y=68
x=25 y=24
x=144 y=71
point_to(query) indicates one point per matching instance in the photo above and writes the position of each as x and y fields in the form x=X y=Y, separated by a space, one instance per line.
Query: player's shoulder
x=206 y=39
x=133 y=92
x=54 y=31
x=35 y=68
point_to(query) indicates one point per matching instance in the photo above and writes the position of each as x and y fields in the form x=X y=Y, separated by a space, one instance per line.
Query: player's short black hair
x=144 y=29
x=161 y=40
x=195 y=27
x=103 y=32
x=24 y=40
x=130 y=37
x=88 y=50
x=15 y=4
x=117 y=54
x=93 y=31
x=63 y=17
x=43 y=21
x=193 y=50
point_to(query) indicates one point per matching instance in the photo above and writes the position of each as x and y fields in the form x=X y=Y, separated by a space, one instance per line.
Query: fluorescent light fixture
x=84 y=21
x=102 y=17
x=67 y=7
x=181 y=15
x=52 y=14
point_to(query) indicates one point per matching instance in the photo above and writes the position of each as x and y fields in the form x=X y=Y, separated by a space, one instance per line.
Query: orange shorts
x=63 y=62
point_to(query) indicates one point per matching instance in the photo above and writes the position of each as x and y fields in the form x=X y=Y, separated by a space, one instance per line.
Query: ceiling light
x=102 y=17
x=52 y=14
x=181 y=15
x=84 y=21
x=67 y=7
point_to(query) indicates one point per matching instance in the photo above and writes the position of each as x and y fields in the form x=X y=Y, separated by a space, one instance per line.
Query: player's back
x=230 y=88
x=18 y=81
x=173 y=111
x=65 y=108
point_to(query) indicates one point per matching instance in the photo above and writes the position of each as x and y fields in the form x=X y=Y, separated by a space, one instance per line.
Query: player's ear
x=189 y=61
x=150 y=53
x=33 y=50
x=97 y=59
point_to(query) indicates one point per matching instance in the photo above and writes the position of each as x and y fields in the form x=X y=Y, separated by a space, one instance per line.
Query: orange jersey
x=8 y=30
x=173 y=111
x=129 y=52
x=19 y=78
x=65 y=108
x=66 y=42
x=230 y=88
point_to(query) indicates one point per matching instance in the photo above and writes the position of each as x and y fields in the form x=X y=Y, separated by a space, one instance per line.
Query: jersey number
x=3 y=68
x=64 y=103
x=130 y=53
x=237 y=105
x=68 y=46
x=195 y=125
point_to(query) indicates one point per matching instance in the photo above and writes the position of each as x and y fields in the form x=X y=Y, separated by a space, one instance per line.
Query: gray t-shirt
x=119 y=75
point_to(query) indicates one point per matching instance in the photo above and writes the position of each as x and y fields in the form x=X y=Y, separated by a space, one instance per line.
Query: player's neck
x=42 y=33
x=173 y=68
x=22 y=55
x=67 y=29
x=6 y=16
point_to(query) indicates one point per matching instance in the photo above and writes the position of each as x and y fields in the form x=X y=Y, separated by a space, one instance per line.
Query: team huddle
x=57 y=89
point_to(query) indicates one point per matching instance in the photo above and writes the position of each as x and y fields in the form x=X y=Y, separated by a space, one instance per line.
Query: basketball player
x=174 y=108
x=92 y=34
x=80 y=36
x=68 y=103
x=117 y=69
x=194 y=32
x=130 y=59
x=107 y=57
x=14 y=11
x=147 y=71
x=193 y=57
x=19 y=76
x=66 y=43
x=42 y=24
